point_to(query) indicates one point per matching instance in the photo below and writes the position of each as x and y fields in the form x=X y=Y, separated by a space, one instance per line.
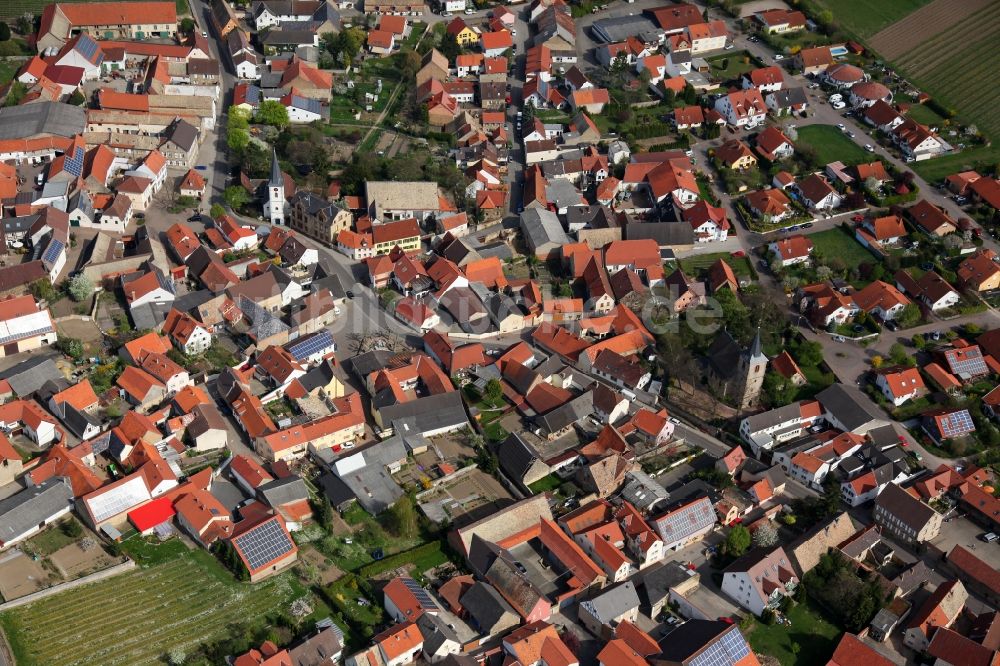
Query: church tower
x=276 y=205
x=752 y=368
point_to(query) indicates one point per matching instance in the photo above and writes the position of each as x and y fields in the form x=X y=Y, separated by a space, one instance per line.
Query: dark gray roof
x=435 y=631
x=33 y=506
x=848 y=405
x=27 y=377
x=724 y=355
x=284 y=491
x=664 y=233
x=149 y=316
x=692 y=637
x=373 y=487
x=318 y=649
x=612 y=604
x=206 y=417
x=335 y=490
x=620 y=28
x=594 y=217
x=656 y=582
x=184 y=134
x=489 y=611
x=77 y=421
x=193 y=300
x=364 y=364
x=516 y=456
x=40 y=119
x=568 y=413
x=434 y=412
x=787 y=97
x=286 y=37
x=904 y=506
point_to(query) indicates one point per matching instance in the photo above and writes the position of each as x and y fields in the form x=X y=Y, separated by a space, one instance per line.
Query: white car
x=730 y=47
x=869 y=148
x=470 y=12
x=778 y=56
x=842 y=127
x=674 y=420
x=838 y=105
x=836 y=98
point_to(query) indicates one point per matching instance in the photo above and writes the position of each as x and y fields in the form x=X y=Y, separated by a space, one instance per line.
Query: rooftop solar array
x=420 y=593
x=87 y=47
x=253 y=95
x=956 y=423
x=686 y=521
x=967 y=362
x=118 y=500
x=313 y=345
x=74 y=162
x=727 y=651
x=27 y=326
x=263 y=544
x=52 y=251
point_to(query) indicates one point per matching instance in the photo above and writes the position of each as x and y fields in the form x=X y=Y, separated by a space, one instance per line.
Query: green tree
x=909 y=316
x=918 y=341
x=808 y=352
x=449 y=47
x=216 y=211
x=4 y=31
x=237 y=139
x=897 y=353
x=80 y=287
x=15 y=93
x=401 y=519
x=238 y=118
x=72 y=529
x=494 y=391
x=778 y=390
x=43 y=290
x=272 y=112
x=187 y=25
x=323 y=512
x=72 y=347
x=236 y=196
x=349 y=44
x=737 y=541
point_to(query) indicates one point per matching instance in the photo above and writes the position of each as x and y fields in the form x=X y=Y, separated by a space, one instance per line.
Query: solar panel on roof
x=52 y=251
x=957 y=423
x=420 y=594
x=74 y=162
x=263 y=544
x=727 y=651
x=967 y=363
x=87 y=47
x=253 y=95
x=313 y=345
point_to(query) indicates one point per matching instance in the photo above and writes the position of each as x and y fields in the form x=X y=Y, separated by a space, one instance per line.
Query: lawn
x=697 y=266
x=837 y=242
x=815 y=636
x=545 y=484
x=730 y=66
x=864 y=18
x=53 y=538
x=925 y=115
x=830 y=145
x=136 y=618
x=8 y=69
x=939 y=168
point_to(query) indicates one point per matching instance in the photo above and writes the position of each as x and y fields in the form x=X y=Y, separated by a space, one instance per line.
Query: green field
x=729 y=67
x=838 y=243
x=864 y=18
x=958 y=67
x=137 y=617
x=925 y=115
x=815 y=637
x=697 y=266
x=830 y=145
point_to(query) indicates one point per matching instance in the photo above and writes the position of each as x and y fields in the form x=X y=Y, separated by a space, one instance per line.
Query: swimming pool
x=838 y=50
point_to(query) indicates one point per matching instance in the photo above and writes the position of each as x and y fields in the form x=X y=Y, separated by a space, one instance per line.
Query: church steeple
x=756 y=351
x=277 y=179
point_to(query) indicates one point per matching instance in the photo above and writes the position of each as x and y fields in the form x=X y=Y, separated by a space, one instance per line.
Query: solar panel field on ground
x=136 y=618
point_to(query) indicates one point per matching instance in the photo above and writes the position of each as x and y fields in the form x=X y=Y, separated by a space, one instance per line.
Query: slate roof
x=33 y=506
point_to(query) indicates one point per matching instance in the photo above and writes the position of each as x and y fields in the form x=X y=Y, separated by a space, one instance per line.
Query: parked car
x=778 y=56
x=990 y=537
x=870 y=148
x=891 y=325
x=836 y=97
x=839 y=338
x=838 y=105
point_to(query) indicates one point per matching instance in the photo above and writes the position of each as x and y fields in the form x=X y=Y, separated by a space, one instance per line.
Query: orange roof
x=852 y=652
x=190 y=397
x=618 y=652
x=539 y=642
x=394 y=24
x=121 y=13
x=182 y=239
x=793 y=247
x=589 y=96
x=205 y=515
x=119 y=101
x=879 y=294
x=250 y=412
x=161 y=367
x=559 y=341
x=138 y=383
x=903 y=381
x=399 y=640
x=80 y=395
x=496 y=40
x=785 y=365
x=250 y=471
x=348 y=414
x=489 y=271
x=149 y=343
x=192 y=181
x=59 y=461
x=403 y=597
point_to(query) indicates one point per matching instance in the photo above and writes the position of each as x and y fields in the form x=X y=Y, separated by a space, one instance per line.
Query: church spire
x=277 y=179
x=757 y=350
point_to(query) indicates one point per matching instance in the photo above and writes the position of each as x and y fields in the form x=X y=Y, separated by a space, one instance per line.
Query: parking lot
x=964 y=532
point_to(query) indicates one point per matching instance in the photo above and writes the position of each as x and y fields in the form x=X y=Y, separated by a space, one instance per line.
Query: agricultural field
x=830 y=145
x=956 y=65
x=913 y=32
x=178 y=603
x=865 y=18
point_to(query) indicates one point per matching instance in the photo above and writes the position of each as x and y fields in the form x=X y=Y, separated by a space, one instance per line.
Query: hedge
x=399 y=559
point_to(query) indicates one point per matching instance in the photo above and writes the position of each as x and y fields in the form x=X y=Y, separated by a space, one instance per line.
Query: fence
x=63 y=587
